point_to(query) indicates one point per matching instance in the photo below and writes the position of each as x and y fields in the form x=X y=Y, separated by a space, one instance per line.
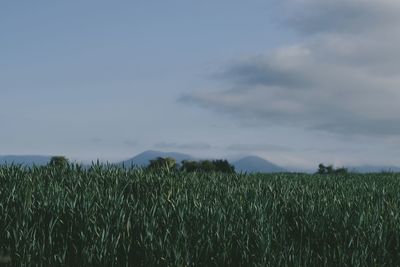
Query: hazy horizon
x=297 y=82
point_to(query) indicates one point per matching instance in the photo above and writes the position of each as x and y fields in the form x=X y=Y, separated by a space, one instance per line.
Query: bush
x=59 y=162
x=208 y=166
x=160 y=163
x=322 y=169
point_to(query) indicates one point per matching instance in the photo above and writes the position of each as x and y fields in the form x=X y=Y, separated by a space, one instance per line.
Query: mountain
x=256 y=164
x=247 y=164
x=28 y=160
x=143 y=159
x=373 y=168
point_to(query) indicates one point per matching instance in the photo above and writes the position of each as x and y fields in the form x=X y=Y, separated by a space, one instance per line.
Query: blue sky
x=297 y=82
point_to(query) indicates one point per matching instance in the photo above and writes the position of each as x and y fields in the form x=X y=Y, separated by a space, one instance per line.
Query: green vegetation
x=322 y=169
x=160 y=164
x=219 y=165
x=169 y=164
x=59 y=162
x=110 y=216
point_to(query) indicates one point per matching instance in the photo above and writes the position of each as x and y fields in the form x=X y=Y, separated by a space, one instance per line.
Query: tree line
x=170 y=164
x=219 y=165
x=322 y=169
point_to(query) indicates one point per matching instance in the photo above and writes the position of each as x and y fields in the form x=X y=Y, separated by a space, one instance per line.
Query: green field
x=109 y=216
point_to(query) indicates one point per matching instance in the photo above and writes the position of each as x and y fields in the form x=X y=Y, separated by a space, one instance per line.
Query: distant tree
x=163 y=164
x=59 y=162
x=190 y=166
x=222 y=165
x=329 y=169
x=207 y=166
x=322 y=169
x=341 y=171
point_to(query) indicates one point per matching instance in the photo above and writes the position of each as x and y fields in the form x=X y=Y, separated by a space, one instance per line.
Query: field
x=109 y=216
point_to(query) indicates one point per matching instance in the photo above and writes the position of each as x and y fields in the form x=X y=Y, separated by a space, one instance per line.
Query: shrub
x=59 y=162
x=322 y=169
x=208 y=166
x=160 y=163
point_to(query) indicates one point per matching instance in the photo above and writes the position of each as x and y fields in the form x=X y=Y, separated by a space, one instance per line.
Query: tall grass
x=109 y=216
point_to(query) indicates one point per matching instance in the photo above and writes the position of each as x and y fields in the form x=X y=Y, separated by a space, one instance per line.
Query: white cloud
x=343 y=77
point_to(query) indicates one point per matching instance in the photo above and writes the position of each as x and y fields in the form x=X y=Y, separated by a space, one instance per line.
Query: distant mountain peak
x=28 y=160
x=246 y=164
x=143 y=159
x=373 y=168
x=256 y=164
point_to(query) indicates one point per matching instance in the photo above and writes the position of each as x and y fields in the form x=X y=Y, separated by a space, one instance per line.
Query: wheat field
x=110 y=216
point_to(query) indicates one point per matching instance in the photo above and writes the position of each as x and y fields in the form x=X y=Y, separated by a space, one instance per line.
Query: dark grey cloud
x=256 y=71
x=184 y=146
x=316 y=16
x=336 y=81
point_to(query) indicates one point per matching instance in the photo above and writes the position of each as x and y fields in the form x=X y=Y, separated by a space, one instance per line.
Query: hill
x=27 y=160
x=256 y=164
x=373 y=168
x=143 y=159
x=247 y=164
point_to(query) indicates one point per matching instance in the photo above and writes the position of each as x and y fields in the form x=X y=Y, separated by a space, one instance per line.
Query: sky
x=297 y=82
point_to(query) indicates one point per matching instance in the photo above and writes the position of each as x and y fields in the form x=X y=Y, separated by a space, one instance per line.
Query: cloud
x=256 y=147
x=316 y=16
x=111 y=142
x=345 y=79
x=96 y=140
x=258 y=71
x=184 y=146
x=130 y=143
